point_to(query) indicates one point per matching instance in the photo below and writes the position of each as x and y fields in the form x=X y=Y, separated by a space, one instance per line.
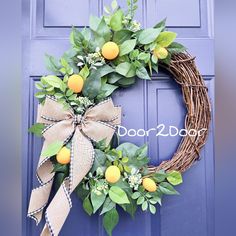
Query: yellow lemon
x=63 y=156
x=110 y=50
x=75 y=83
x=149 y=185
x=160 y=52
x=112 y=174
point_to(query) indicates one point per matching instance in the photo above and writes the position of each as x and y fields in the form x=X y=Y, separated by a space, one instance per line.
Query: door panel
x=46 y=30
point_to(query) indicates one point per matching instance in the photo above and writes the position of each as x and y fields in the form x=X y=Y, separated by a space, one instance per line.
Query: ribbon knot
x=77 y=119
x=97 y=123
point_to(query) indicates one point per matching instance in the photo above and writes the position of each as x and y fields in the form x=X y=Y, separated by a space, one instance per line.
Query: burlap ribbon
x=98 y=123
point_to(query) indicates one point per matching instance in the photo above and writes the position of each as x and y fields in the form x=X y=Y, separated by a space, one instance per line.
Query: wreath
x=78 y=120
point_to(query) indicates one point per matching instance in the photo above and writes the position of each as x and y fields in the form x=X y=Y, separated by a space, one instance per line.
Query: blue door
x=46 y=29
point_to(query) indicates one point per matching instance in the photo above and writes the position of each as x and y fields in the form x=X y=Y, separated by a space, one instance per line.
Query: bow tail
x=82 y=157
x=40 y=195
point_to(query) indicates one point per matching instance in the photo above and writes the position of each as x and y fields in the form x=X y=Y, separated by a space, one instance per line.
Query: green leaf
x=142 y=73
x=142 y=151
x=131 y=208
x=60 y=168
x=37 y=129
x=144 y=206
x=52 y=149
x=166 y=188
x=128 y=149
x=114 y=4
x=94 y=22
x=113 y=78
x=176 y=48
x=125 y=159
x=155 y=200
x=69 y=92
x=159 y=176
x=125 y=82
x=134 y=54
x=108 y=89
x=107 y=206
x=121 y=36
x=52 y=63
x=126 y=69
x=154 y=59
x=53 y=80
x=97 y=201
x=92 y=84
x=152 y=209
x=73 y=97
x=81 y=192
x=84 y=72
x=49 y=89
x=116 y=20
x=101 y=145
x=144 y=56
x=140 y=200
x=100 y=28
x=103 y=30
x=98 y=41
x=40 y=95
x=105 y=70
x=161 y=24
x=88 y=206
x=127 y=46
x=174 y=177
x=118 y=195
x=69 y=54
x=136 y=195
x=107 y=9
x=149 y=35
x=110 y=220
x=86 y=32
x=64 y=62
x=39 y=85
x=166 y=38
x=99 y=160
x=137 y=64
x=76 y=38
x=124 y=186
x=59 y=178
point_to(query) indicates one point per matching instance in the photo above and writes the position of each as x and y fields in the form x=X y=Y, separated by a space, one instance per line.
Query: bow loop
x=52 y=111
x=104 y=111
x=99 y=122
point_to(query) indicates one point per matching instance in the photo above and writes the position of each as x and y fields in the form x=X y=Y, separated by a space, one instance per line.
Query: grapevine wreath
x=78 y=120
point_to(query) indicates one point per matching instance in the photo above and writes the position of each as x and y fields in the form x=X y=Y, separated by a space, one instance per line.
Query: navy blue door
x=46 y=29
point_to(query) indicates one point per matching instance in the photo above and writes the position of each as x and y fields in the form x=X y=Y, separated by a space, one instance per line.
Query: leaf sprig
x=140 y=51
x=122 y=194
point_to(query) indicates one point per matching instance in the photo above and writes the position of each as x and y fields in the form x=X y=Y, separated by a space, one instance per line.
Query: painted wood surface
x=46 y=27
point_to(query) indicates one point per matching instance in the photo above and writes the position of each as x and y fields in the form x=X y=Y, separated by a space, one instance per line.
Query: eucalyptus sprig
x=132 y=8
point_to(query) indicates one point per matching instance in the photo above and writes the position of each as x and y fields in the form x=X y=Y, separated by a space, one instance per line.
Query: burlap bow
x=98 y=123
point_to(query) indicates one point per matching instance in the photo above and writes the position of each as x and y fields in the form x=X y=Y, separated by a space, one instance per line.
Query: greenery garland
x=112 y=53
